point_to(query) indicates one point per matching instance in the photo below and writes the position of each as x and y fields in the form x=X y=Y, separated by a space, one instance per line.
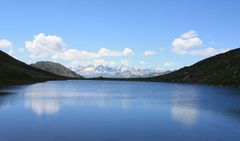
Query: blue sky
x=141 y=33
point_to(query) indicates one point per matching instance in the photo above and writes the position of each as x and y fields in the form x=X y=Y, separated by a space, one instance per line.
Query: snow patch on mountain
x=122 y=71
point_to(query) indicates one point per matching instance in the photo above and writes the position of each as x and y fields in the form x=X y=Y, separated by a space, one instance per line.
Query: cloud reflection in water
x=184 y=107
x=45 y=99
x=41 y=101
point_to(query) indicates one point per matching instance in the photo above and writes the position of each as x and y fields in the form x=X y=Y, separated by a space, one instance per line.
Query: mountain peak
x=121 y=71
x=56 y=68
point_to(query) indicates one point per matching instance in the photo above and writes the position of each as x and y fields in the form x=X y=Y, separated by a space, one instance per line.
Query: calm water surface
x=119 y=111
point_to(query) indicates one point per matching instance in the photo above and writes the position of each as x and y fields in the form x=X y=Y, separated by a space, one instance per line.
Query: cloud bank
x=54 y=47
x=44 y=45
x=188 y=43
x=72 y=54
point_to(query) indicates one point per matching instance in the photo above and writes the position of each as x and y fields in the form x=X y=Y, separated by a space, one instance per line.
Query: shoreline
x=112 y=79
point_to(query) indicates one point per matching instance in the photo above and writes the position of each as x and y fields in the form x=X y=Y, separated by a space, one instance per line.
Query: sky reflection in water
x=103 y=110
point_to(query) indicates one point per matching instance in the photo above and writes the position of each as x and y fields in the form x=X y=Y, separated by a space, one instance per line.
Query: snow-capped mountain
x=121 y=71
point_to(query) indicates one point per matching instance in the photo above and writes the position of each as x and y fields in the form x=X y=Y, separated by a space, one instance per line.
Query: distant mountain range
x=121 y=71
x=56 y=68
x=219 y=70
x=14 y=72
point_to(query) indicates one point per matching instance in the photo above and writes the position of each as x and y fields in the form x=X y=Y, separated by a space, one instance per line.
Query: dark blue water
x=119 y=111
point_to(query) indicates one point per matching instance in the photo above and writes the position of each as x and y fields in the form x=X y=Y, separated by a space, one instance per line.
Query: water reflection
x=5 y=99
x=184 y=114
x=42 y=101
x=48 y=99
x=185 y=106
x=42 y=106
x=184 y=101
x=98 y=110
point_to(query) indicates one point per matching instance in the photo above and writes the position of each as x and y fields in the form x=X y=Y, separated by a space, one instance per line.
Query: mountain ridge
x=13 y=72
x=56 y=68
x=121 y=71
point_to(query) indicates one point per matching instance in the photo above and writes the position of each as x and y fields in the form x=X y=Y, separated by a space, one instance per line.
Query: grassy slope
x=219 y=70
x=14 y=72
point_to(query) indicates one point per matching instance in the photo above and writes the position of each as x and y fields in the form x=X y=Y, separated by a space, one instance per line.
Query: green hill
x=219 y=70
x=14 y=72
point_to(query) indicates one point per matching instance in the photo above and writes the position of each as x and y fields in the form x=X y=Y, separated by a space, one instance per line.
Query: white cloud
x=149 y=53
x=127 y=52
x=189 y=34
x=5 y=44
x=44 y=45
x=142 y=62
x=168 y=64
x=72 y=54
x=188 y=42
x=54 y=47
x=185 y=42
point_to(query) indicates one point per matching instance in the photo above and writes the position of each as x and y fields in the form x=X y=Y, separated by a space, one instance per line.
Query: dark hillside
x=220 y=70
x=13 y=72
